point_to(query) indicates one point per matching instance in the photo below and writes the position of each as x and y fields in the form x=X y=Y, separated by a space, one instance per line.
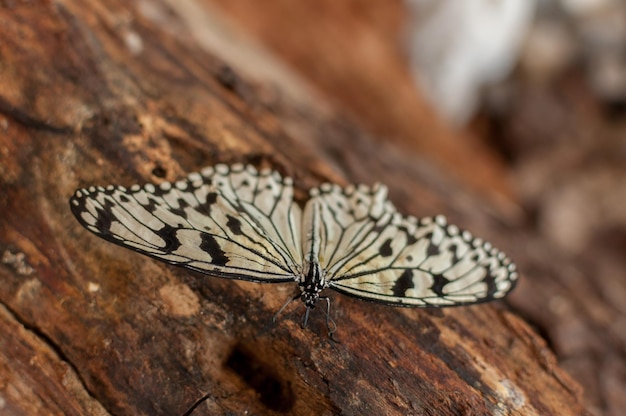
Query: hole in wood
x=273 y=394
x=159 y=172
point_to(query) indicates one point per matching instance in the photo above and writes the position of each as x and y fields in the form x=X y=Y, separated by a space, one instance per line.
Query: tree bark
x=123 y=93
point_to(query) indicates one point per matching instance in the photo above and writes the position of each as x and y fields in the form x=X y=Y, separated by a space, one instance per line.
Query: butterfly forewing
x=229 y=221
x=370 y=251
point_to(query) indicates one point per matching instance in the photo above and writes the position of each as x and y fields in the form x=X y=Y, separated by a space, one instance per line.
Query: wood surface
x=98 y=93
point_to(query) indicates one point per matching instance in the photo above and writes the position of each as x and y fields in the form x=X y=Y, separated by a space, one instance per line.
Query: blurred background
x=522 y=100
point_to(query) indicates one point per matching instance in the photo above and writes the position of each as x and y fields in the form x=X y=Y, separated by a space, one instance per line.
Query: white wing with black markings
x=370 y=251
x=237 y=222
x=232 y=222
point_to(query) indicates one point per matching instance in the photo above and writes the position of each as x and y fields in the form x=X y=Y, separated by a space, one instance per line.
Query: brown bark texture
x=115 y=92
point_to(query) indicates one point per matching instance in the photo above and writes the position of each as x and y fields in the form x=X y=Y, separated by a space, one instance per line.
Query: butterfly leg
x=306 y=316
x=282 y=308
x=330 y=324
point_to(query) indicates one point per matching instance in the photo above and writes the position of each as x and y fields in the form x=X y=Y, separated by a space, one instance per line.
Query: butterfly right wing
x=227 y=221
x=370 y=251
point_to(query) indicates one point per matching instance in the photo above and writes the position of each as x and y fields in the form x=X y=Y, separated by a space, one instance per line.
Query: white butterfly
x=239 y=223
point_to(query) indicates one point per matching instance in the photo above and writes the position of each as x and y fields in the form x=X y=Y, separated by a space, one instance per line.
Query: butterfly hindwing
x=372 y=252
x=227 y=221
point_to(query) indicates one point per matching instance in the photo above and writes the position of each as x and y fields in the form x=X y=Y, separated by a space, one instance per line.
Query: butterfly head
x=311 y=283
x=310 y=298
x=310 y=295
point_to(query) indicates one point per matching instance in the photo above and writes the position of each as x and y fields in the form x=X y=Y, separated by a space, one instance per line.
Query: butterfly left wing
x=226 y=221
x=371 y=251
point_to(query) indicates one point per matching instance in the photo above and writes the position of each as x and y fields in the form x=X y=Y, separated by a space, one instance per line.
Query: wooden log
x=100 y=93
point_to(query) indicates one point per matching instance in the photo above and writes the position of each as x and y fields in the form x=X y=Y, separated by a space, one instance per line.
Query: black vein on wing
x=349 y=255
x=283 y=252
x=345 y=274
x=218 y=271
x=150 y=248
x=489 y=279
x=330 y=261
x=225 y=235
x=478 y=264
x=277 y=200
x=359 y=249
x=485 y=264
x=258 y=228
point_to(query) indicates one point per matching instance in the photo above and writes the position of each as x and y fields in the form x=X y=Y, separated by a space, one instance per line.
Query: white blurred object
x=457 y=47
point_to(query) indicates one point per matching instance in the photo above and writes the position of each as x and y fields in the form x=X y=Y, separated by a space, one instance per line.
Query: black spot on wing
x=234 y=225
x=385 y=248
x=168 y=234
x=103 y=222
x=151 y=206
x=205 y=207
x=210 y=246
x=104 y=217
x=490 y=281
x=439 y=282
x=432 y=250
x=211 y=198
x=180 y=211
x=410 y=239
x=403 y=283
x=158 y=191
x=453 y=250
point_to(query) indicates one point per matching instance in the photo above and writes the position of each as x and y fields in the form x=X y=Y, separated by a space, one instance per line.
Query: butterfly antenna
x=284 y=306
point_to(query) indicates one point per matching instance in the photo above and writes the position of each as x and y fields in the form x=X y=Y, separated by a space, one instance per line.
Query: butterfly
x=237 y=222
